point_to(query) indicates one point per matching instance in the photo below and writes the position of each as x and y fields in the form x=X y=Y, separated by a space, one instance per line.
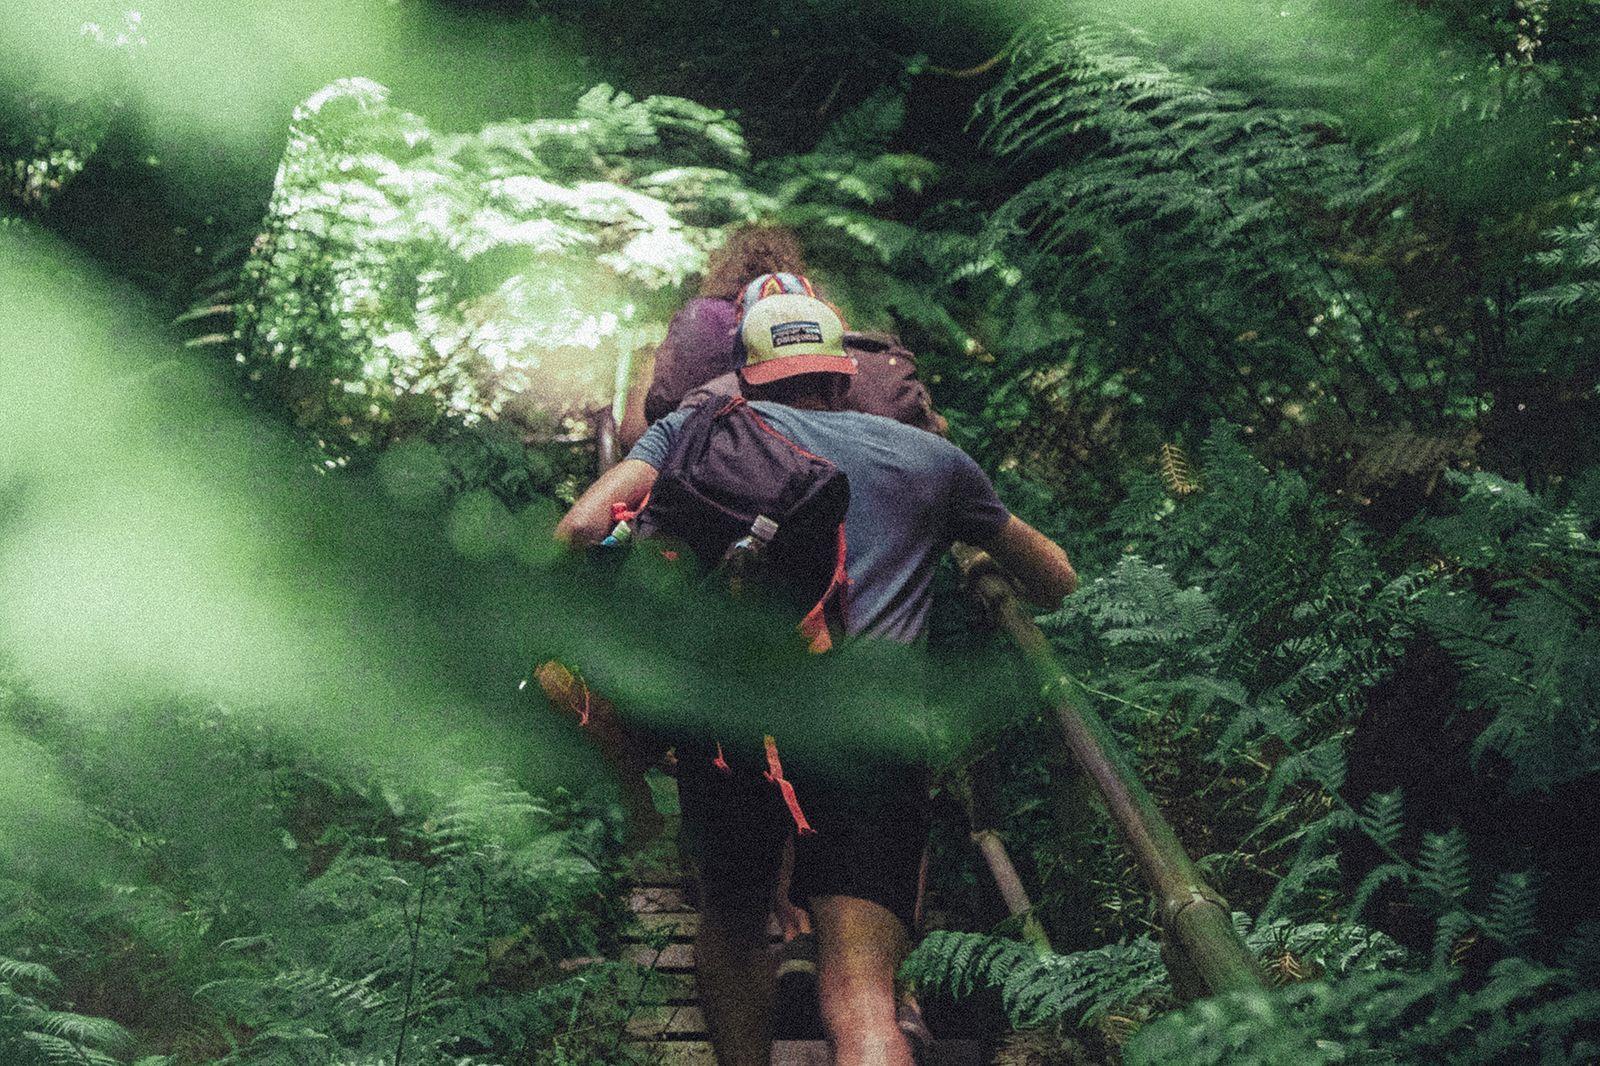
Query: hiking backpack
x=729 y=467
x=731 y=474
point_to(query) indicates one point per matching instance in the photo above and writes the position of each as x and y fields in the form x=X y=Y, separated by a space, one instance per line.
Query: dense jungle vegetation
x=1282 y=317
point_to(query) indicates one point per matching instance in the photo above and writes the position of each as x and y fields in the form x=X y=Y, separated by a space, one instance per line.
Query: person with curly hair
x=703 y=345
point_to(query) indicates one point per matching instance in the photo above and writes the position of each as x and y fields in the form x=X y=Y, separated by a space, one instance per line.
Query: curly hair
x=752 y=249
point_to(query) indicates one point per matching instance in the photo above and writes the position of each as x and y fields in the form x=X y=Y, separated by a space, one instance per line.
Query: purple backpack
x=727 y=468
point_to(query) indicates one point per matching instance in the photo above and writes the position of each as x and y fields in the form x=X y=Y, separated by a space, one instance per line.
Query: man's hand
x=589 y=521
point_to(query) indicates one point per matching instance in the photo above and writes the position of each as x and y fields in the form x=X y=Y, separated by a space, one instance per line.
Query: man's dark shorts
x=871 y=826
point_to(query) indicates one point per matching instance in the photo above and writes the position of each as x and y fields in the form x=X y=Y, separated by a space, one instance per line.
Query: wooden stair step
x=676 y=1052
x=679 y=925
x=802 y=1053
x=675 y=989
x=675 y=1022
x=664 y=899
x=674 y=958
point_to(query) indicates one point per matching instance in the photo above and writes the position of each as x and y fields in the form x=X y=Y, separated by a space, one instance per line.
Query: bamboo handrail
x=992 y=849
x=1204 y=952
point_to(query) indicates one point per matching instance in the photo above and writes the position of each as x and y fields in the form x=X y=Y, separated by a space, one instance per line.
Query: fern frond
x=1443 y=865
x=1510 y=918
x=1175 y=471
x=18 y=970
x=1370 y=884
x=60 y=1051
x=1381 y=818
x=82 y=1029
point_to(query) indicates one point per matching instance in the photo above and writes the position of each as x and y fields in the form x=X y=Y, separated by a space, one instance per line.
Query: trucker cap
x=791 y=334
x=771 y=285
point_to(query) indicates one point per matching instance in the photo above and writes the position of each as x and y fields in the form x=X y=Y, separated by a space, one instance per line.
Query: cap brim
x=793 y=365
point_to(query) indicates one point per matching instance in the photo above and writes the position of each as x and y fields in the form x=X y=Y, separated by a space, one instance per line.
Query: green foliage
x=51 y=132
x=1079 y=989
x=1523 y=1013
x=406 y=277
x=345 y=916
x=1518 y=616
x=1192 y=198
x=1037 y=988
x=1243 y=304
x=1248 y=213
x=32 y=1034
x=1574 y=251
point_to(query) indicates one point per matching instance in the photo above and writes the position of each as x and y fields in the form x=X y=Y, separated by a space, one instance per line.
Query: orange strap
x=775 y=775
x=621 y=512
x=814 y=626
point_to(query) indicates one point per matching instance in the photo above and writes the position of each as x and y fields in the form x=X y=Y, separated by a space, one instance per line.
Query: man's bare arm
x=590 y=518
x=1038 y=564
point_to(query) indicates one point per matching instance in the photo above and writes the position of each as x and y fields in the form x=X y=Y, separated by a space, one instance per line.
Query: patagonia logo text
x=785 y=333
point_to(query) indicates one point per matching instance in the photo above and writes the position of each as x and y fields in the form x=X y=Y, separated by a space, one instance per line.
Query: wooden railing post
x=1194 y=917
x=1007 y=882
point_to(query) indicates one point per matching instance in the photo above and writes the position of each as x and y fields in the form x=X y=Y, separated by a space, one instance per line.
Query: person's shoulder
x=931 y=450
x=700 y=307
x=895 y=427
x=886 y=431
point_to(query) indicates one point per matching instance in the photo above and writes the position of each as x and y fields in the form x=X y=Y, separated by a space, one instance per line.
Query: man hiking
x=911 y=494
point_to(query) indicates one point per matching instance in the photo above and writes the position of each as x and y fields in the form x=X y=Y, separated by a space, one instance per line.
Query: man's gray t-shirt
x=911 y=494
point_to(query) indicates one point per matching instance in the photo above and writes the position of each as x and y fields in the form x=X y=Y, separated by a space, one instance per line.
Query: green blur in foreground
x=159 y=544
x=227 y=75
x=157 y=541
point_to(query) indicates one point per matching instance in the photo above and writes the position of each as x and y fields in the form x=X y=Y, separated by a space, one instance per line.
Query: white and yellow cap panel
x=788 y=334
